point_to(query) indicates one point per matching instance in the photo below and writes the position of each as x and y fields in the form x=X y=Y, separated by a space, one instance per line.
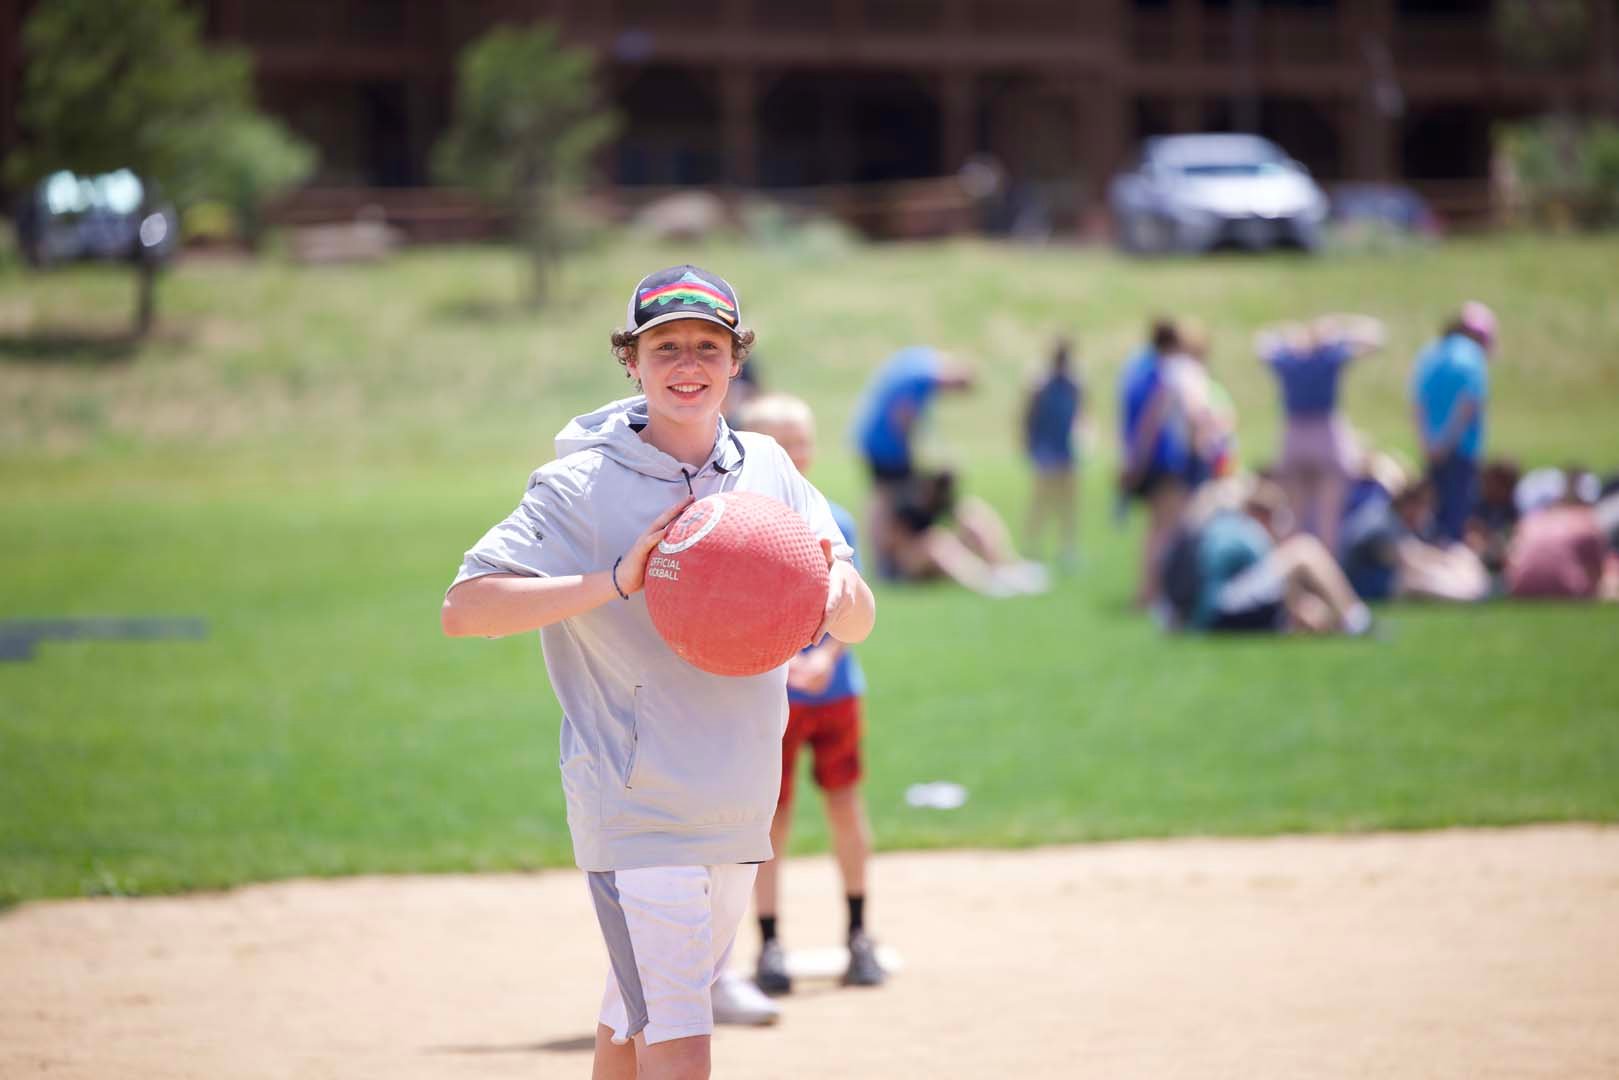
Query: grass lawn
x=300 y=455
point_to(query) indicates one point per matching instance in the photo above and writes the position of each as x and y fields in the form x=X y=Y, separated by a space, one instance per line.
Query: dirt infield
x=1456 y=954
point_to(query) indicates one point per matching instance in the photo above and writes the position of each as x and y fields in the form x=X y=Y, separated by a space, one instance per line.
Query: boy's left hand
x=811 y=672
x=840 y=591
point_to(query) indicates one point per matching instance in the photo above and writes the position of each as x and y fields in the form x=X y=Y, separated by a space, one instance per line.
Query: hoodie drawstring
x=689 y=490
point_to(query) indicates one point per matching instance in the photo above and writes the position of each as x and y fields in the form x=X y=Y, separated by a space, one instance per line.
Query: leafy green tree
x=1565 y=172
x=113 y=84
x=245 y=159
x=527 y=122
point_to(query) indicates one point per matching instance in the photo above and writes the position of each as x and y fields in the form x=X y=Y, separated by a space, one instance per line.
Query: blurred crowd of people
x=1304 y=544
x=1334 y=524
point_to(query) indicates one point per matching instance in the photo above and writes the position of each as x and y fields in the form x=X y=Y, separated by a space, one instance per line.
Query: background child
x=1450 y=389
x=1319 y=451
x=1153 y=449
x=1050 y=417
x=824 y=684
x=887 y=420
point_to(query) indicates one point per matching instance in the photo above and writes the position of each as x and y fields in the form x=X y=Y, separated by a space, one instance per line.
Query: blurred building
x=783 y=93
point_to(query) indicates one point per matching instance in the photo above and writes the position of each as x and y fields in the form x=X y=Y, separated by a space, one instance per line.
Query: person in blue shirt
x=886 y=422
x=824 y=692
x=1449 y=389
x=1319 y=449
x=1153 y=448
x=1050 y=418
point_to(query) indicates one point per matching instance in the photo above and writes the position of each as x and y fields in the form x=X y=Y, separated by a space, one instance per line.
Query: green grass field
x=300 y=455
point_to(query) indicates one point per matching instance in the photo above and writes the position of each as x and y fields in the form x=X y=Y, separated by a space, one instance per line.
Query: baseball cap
x=682 y=292
x=1478 y=320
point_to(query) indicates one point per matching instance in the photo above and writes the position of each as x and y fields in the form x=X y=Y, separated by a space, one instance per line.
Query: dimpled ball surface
x=738 y=584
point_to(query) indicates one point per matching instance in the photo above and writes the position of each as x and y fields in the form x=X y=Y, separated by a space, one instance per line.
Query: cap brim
x=671 y=316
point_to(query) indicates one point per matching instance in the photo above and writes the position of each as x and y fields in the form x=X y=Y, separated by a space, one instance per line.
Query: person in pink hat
x=1449 y=389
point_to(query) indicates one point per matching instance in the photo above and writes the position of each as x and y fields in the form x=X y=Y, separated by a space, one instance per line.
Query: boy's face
x=797 y=439
x=685 y=367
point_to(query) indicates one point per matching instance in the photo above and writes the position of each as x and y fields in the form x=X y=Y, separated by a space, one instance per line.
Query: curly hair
x=624 y=346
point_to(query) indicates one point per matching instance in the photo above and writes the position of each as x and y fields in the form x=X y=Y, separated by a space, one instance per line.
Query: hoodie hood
x=614 y=432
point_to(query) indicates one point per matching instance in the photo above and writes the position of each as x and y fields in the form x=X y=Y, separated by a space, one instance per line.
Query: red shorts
x=833 y=730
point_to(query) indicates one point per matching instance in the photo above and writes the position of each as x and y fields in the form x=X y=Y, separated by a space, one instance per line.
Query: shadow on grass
x=68 y=347
x=482 y=309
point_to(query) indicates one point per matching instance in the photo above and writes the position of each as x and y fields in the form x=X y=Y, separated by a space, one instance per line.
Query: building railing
x=422 y=215
x=1281 y=39
x=1437 y=40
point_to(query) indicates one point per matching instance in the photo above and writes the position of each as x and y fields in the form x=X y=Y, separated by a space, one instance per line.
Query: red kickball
x=738 y=584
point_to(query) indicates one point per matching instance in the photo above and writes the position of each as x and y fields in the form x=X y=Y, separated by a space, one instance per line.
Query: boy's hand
x=840 y=591
x=811 y=672
x=631 y=572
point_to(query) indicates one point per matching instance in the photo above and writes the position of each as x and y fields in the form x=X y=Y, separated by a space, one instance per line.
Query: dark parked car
x=68 y=217
x=1194 y=193
x=1391 y=208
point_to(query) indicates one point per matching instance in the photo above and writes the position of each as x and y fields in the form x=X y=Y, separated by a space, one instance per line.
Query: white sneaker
x=738 y=1001
x=1029 y=578
x=1033 y=577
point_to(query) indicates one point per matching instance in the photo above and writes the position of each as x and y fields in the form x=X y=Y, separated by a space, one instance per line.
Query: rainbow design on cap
x=689 y=289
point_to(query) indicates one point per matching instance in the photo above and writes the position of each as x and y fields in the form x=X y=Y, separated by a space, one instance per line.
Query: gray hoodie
x=662 y=764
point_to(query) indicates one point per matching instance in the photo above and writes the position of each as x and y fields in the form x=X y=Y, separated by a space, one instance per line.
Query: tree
x=526 y=124
x=129 y=84
x=1564 y=172
x=245 y=159
x=1559 y=166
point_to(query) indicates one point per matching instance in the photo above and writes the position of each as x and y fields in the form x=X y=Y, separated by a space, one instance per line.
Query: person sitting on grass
x=1232 y=567
x=938 y=533
x=1566 y=551
x=824 y=692
x=1382 y=551
x=1489 y=529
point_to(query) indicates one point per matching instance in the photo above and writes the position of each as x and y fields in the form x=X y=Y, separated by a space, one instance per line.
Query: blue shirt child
x=898 y=393
x=847 y=678
x=1050 y=430
x=1309 y=378
x=1447 y=370
x=1138 y=383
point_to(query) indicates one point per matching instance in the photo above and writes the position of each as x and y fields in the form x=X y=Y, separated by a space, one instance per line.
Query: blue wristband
x=622 y=595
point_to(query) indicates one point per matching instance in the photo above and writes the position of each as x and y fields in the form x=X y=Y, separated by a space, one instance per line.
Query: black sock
x=857 y=914
x=767 y=928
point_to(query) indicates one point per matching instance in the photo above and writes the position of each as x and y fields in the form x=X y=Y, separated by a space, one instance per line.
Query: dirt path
x=1457 y=954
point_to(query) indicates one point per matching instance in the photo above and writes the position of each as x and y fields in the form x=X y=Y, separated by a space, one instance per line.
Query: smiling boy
x=670 y=774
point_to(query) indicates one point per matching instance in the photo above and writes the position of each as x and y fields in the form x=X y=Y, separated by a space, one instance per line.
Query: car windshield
x=1234 y=168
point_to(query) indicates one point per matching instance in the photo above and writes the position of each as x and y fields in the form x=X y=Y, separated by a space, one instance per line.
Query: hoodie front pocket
x=690 y=767
x=634 y=760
